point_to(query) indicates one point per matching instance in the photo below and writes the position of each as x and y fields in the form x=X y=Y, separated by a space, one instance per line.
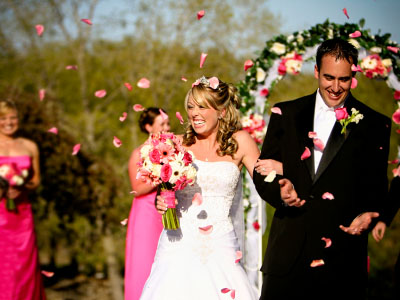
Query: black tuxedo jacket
x=353 y=169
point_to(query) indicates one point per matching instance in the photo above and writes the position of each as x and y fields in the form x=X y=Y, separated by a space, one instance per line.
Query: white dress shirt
x=324 y=120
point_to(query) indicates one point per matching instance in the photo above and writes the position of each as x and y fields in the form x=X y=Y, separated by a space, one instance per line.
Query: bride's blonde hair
x=6 y=106
x=224 y=97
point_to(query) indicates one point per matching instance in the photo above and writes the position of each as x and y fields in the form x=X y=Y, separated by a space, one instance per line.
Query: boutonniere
x=344 y=118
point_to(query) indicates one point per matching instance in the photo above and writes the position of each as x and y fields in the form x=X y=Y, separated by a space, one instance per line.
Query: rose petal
x=396 y=95
x=117 y=142
x=206 y=229
x=306 y=154
x=225 y=290
x=100 y=93
x=312 y=134
x=233 y=294
x=143 y=83
x=124 y=222
x=239 y=256
x=328 y=196
x=328 y=242
x=132 y=192
x=179 y=116
x=164 y=116
x=355 y=68
x=345 y=13
x=123 y=117
x=200 y=14
x=317 y=263
x=42 y=94
x=197 y=199
x=76 y=149
x=47 y=273
x=354 y=83
x=183 y=78
x=39 y=29
x=71 y=67
x=271 y=176
x=203 y=57
x=264 y=93
x=138 y=107
x=396 y=116
x=256 y=225
x=87 y=21
x=396 y=172
x=214 y=82
x=276 y=110
x=393 y=49
x=248 y=64
x=355 y=34
x=128 y=86
x=53 y=130
x=319 y=144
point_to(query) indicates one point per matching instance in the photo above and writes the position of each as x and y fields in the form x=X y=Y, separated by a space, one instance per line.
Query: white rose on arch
x=278 y=48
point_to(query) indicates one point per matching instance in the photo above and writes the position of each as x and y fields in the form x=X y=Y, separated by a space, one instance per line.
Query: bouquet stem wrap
x=10 y=204
x=169 y=218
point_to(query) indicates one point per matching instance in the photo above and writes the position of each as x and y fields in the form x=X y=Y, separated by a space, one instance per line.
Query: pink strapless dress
x=143 y=232
x=20 y=276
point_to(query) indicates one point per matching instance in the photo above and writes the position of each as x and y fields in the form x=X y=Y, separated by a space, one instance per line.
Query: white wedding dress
x=199 y=261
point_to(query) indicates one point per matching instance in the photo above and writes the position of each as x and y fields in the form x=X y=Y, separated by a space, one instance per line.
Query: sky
x=381 y=16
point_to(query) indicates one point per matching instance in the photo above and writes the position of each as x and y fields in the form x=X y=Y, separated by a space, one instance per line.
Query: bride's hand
x=265 y=166
x=161 y=205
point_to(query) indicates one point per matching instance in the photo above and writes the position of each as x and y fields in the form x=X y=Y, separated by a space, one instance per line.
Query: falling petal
x=355 y=68
x=76 y=149
x=132 y=192
x=233 y=294
x=396 y=116
x=183 y=78
x=206 y=229
x=200 y=14
x=87 y=21
x=239 y=256
x=256 y=225
x=328 y=242
x=271 y=176
x=306 y=154
x=143 y=83
x=276 y=110
x=179 y=116
x=225 y=290
x=203 y=57
x=214 y=82
x=47 y=273
x=197 y=199
x=328 y=196
x=396 y=95
x=393 y=49
x=71 y=67
x=100 y=93
x=355 y=34
x=396 y=172
x=248 y=64
x=345 y=13
x=354 y=83
x=128 y=86
x=53 y=130
x=312 y=134
x=39 y=29
x=42 y=94
x=138 y=107
x=264 y=93
x=319 y=144
x=164 y=116
x=124 y=222
x=117 y=142
x=394 y=161
x=123 y=117
x=317 y=263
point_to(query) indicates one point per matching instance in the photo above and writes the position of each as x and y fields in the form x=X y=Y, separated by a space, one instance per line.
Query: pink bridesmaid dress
x=143 y=232
x=20 y=276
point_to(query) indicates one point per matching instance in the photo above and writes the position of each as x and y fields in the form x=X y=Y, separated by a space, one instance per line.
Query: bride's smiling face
x=202 y=117
x=8 y=122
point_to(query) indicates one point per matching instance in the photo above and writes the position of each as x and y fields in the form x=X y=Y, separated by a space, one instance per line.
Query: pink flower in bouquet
x=15 y=177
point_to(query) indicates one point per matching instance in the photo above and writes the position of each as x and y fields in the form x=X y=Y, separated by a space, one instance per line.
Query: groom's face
x=334 y=80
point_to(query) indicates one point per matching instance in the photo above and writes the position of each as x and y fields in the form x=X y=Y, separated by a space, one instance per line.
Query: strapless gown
x=199 y=261
x=143 y=232
x=20 y=276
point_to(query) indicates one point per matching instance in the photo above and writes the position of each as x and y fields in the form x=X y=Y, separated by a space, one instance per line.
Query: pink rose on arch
x=155 y=156
x=396 y=116
x=341 y=113
x=166 y=172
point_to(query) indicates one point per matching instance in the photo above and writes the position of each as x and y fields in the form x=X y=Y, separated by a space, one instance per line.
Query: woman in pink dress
x=20 y=276
x=144 y=223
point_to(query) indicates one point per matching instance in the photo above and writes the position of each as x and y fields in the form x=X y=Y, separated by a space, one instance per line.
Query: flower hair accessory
x=344 y=118
x=213 y=82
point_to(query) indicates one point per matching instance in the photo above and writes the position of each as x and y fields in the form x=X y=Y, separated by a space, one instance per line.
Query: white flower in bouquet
x=16 y=180
x=4 y=170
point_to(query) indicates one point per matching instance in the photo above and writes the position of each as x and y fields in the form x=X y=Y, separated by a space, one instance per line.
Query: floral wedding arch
x=379 y=58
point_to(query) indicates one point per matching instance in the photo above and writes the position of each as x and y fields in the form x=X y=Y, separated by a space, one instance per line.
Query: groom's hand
x=289 y=194
x=360 y=223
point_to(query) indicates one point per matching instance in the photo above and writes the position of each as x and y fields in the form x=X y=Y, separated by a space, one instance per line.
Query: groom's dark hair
x=339 y=48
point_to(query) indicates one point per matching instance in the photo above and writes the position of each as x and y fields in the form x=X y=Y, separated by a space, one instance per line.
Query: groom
x=333 y=185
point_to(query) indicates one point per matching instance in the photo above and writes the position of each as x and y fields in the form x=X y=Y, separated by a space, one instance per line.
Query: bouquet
x=166 y=163
x=14 y=177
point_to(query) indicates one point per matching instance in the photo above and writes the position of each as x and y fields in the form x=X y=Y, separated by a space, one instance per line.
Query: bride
x=201 y=260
